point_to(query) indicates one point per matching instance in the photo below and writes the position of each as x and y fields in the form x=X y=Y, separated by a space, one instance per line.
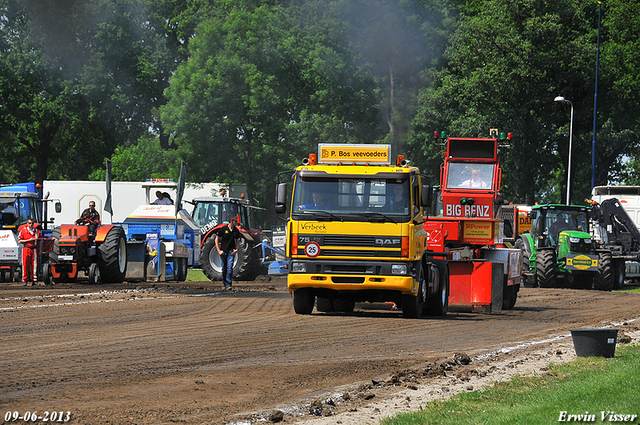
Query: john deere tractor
x=559 y=250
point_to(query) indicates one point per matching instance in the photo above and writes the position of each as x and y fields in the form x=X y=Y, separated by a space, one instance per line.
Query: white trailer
x=125 y=196
x=629 y=197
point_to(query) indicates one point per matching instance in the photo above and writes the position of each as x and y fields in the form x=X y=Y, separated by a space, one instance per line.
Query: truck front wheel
x=303 y=300
x=412 y=305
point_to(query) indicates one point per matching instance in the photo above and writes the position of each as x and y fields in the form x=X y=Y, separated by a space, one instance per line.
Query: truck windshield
x=469 y=176
x=21 y=208
x=353 y=199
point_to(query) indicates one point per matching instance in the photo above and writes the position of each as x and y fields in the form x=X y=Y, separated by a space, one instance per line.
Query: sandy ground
x=194 y=354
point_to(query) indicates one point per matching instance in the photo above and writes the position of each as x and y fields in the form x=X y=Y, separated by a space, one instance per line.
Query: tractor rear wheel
x=545 y=268
x=604 y=279
x=243 y=263
x=53 y=254
x=112 y=256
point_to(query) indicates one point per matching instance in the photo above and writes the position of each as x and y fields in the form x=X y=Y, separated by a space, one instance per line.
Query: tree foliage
x=243 y=89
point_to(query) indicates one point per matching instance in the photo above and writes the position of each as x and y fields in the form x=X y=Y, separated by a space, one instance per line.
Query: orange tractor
x=466 y=224
x=102 y=258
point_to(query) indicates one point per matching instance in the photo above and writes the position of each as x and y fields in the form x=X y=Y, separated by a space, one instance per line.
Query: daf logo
x=389 y=241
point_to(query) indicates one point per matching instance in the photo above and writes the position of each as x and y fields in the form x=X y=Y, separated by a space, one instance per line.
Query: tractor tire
x=545 y=269
x=94 y=274
x=413 y=305
x=303 y=301
x=603 y=281
x=324 y=305
x=438 y=303
x=112 y=256
x=243 y=263
x=619 y=274
x=55 y=235
x=46 y=274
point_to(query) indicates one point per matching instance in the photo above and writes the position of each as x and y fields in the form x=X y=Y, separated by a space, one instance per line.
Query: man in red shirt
x=28 y=236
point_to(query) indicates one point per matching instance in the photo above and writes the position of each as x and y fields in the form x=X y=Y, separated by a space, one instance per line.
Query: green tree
x=505 y=64
x=259 y=92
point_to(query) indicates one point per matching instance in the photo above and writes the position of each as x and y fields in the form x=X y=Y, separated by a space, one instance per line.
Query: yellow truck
x=355 y=233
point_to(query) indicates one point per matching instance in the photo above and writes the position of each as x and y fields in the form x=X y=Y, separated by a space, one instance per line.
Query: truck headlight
x=297 y=267
x=398 y=269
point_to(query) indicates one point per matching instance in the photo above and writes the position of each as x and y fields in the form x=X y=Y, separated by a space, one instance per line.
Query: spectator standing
x=29 y=236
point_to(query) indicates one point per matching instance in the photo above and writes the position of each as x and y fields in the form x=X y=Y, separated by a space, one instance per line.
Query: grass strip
x=586 y=386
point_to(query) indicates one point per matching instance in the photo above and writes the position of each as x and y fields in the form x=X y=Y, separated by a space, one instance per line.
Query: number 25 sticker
x=312 y=249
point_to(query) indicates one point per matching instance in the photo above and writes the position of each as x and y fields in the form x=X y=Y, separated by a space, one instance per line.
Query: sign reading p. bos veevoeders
x=330 y=153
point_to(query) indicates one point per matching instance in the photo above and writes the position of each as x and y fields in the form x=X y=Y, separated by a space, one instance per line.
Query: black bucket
x=594 y=342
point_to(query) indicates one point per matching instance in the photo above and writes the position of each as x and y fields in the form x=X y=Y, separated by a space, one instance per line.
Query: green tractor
x=559 y=250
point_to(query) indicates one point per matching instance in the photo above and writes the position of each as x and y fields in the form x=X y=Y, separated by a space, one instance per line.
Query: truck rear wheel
x=413 y=305
x=344 y=306
x=604 y=279
x=303 y=301
x=112 y=256
x=324 y=305
x=619 y=274
x=545 y=268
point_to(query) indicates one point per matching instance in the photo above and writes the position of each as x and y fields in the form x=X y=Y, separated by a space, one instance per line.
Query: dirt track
x=191 y=353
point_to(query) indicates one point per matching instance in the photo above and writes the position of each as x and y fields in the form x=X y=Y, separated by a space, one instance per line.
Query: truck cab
x=355 y=233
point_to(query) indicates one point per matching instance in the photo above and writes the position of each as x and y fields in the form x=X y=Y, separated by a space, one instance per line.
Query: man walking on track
x=227 y=243
x=29 y=237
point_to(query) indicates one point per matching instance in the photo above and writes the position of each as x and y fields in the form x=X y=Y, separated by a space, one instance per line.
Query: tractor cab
x=552 y=220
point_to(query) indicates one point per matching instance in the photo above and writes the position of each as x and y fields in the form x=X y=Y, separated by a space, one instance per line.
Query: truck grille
x=358 y=253
x=339 y=240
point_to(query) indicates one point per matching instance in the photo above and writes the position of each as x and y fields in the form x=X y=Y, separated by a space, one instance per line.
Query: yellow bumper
x=404 y=284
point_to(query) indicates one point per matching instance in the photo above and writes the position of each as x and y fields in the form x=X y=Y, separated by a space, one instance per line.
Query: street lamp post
x=562 y=99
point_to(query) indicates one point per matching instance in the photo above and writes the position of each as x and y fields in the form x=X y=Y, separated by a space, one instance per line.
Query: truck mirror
x=281 y=198
x=425 y=200
x=58 y=207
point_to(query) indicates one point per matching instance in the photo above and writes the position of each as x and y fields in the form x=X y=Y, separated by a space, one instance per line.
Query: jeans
x=227 y=267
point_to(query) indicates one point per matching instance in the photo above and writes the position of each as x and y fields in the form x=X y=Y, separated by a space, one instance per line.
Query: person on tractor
x=90 y=217
x=558 y=226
